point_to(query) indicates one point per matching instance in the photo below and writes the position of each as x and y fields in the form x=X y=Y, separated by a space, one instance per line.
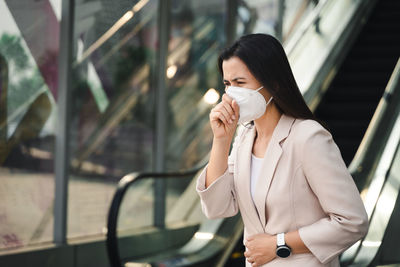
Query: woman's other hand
x=224 y=117
x=260 y=249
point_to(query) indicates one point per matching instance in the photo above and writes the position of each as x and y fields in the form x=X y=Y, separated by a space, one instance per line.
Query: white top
x=255 y=168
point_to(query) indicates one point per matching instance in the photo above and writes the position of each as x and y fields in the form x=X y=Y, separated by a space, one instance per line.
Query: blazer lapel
x=243 y=164
x=271 y=159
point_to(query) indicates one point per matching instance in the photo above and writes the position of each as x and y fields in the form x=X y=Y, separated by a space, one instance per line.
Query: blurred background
x=93 y=90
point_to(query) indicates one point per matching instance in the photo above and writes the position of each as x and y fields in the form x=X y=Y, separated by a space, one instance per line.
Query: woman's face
x=236 y=73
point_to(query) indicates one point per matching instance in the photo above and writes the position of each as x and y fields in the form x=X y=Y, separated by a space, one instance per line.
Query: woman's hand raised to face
x=224 y=117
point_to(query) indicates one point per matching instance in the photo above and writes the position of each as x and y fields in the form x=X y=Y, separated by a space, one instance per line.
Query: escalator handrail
x=123 y=185
x=375 y=132
x=313 y=18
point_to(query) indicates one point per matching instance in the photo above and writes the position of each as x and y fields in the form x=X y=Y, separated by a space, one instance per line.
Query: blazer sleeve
x=219 y=199
x=325 y=171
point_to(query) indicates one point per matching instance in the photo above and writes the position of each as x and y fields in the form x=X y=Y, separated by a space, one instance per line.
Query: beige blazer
x=304 y=184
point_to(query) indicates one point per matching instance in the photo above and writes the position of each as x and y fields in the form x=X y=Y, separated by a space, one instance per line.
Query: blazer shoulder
x=306 y=129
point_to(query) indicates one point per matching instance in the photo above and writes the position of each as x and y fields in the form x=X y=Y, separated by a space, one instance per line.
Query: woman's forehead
x=234 y=68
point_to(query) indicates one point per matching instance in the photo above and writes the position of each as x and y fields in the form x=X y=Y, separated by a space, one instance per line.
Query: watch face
x=283 y=251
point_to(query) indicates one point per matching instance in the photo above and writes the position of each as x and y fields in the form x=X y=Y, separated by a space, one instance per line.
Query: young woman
x=285 y=174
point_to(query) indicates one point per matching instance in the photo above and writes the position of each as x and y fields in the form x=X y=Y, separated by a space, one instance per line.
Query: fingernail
x=230 y=121
x=233 y=117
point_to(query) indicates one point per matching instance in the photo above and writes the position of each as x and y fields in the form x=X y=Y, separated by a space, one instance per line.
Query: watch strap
x=280 y=239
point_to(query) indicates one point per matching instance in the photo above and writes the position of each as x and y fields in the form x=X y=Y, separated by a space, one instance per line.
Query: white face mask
x=251 y=103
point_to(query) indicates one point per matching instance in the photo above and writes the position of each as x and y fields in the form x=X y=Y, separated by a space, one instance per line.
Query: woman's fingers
x=250 y=238
x=227 y=114
x=223 y=114
x=235 y=107
x=229 y=109
x=228 y=104
x=227 y=98
x=252 y=261
x=217 y=115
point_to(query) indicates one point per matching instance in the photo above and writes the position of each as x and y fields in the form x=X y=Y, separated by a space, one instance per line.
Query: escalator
x=347 y=107
x=349 y=103
x=377 y=161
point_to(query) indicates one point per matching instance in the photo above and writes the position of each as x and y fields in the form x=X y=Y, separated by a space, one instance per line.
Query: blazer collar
x=271 y=158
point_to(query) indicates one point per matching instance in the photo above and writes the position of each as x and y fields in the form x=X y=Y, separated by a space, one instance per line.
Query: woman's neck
x=266 y=124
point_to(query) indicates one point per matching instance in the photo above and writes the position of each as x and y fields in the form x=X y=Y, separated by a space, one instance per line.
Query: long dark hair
x=265 y=58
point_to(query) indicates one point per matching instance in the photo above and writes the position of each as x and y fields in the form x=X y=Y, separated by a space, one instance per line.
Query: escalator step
x=363 y=78
x=388 y=12
x=357 y=134
x=379 y=39
x=376 y=51
x=349 y=129
x=383 y=27
x=342 y=125
x=367 y=65
x=352 y=93
x=390 y=3
x=348 y=147
x=342 y=111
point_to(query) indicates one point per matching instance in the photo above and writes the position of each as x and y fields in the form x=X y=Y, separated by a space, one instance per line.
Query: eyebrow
x=235 y=79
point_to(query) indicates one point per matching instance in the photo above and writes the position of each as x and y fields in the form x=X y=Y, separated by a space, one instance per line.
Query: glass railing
x=112 y=109
x=193 y=84
x=119 y=138
x=114 y=85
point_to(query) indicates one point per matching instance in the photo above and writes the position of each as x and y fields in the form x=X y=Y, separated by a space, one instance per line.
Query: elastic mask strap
x=270 y=99
x=258 y=89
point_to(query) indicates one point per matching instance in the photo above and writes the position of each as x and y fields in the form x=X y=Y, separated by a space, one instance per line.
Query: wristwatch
x=282 y=250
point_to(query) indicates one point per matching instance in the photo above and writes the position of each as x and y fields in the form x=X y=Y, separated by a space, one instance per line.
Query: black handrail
x=123 y=185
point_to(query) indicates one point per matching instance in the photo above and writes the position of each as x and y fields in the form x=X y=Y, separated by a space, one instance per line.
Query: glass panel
x=194 y=85
x=112 y=122
x=28 y=92
x=137 y=207
x=295 y=11
x=263 y=16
